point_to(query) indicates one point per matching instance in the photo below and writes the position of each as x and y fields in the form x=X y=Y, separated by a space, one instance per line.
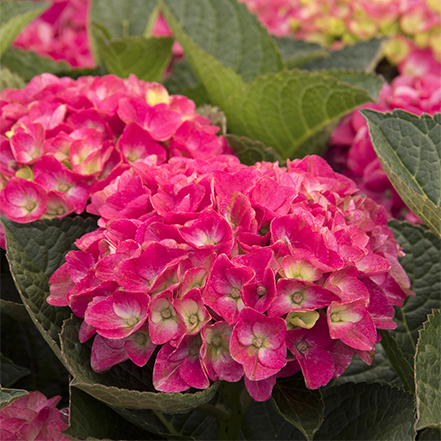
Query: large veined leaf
x=124 y=385
x=28 y=64
x=285 y=109
x=302 y=407
x=409 y=149
x=147 y=58
x=296 y=53
x=427 y=373
x=10 y=372
x=362 y=56
x=89 y=417
x=7 y=396
x=399 y=363
x=34 y=251
x=422 y=263
x=14 y=16
x=367 y=411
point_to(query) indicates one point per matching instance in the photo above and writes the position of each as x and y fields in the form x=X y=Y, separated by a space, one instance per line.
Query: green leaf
x=91 y=418
x=14 y=17
x=423 y=266
x=226 y=30
x=429 y=435
x=120 y=19
x=427 y=373
x=367 y=411
x=262 y=421
x=397 y=360
x=10 y=80
x=23 y=343
x=7 y=396
x=409 y=149
x=28 y=64
x=362 y=56
x=302 y=407
x=284 y=110
x=147 y=58
x=10 y=372
x=379 y=371
x=296 y=53
x=250 y=151
x=371 y=83
x=125 y=385
x=15 y=310
x=34 y=251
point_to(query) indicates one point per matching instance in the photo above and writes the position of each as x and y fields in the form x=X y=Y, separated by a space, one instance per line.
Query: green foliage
x=296 y=53
x=367 y=411
x=423 y=266
x=7 y=396
x=10 y=80
x=397 y=360
x=28 y=64
x=10 y=373
x=362 y=56
x=250 y=151
x=409 y=149
x=14 y=16
x=427 y=373
x=302 y=407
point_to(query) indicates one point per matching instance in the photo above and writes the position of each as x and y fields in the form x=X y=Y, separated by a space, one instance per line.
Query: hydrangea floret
x=60 y=138
x=33 y=417
x=216 y=270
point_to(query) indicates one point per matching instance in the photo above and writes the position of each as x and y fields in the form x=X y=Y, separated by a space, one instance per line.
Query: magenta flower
x=33 y=417
x=303 y=284
x=258 y=343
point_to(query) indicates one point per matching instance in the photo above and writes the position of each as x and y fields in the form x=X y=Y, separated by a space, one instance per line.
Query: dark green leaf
x=226 y=30
x=379 y=371
x=262 y=421
x=29 y=64
x=286 y=109
x=302 y=407
x=371 y=83
x=427 y=373
x=14 y=16
x=10 y=80
x=125 y=385
x=10 y=372
x=399 y=363
x=423 y=265
x=35 y=250
x=409 y=149
x=250 y=151
x=362 y=56
x=296 y=53
x=429 y=435
x=15 y=310
x=22 y=343
x=91 y=418
x=147 y=58
x=7 y=396
x=367 y=411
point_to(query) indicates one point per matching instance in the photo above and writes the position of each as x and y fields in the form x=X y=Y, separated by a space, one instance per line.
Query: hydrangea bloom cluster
x=330 y=21
x=416 y=91
x=61 y=136
x=60 y=33
x=224 y=271
x=33 y=417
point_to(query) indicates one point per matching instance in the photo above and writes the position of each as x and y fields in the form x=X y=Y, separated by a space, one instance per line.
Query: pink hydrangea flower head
x=302 y=284
x=33 y=417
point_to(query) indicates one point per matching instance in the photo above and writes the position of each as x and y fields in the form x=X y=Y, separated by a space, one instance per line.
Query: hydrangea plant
x=188 y=265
